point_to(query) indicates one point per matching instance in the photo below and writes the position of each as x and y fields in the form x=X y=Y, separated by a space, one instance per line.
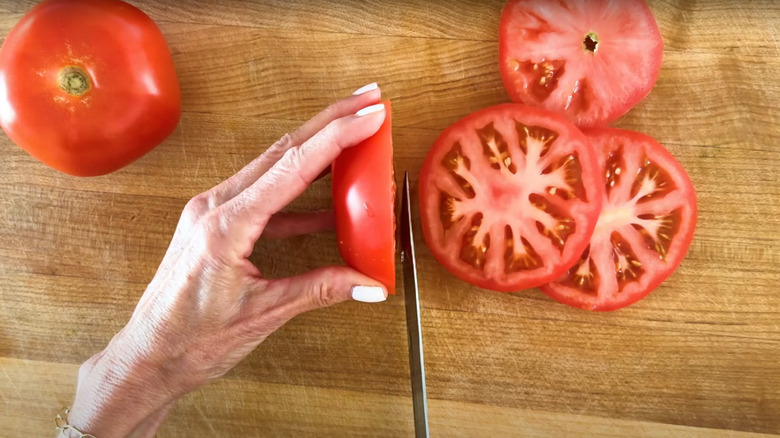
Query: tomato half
x=87 y=86
x=644 y=230
x=364 y=205
x=591 y=60
x=509 y=197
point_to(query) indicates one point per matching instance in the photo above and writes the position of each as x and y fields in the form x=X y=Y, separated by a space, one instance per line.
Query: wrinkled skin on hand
x=208 y=306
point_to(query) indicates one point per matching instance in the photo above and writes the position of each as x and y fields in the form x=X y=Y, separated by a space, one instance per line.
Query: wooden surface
x=700 y=357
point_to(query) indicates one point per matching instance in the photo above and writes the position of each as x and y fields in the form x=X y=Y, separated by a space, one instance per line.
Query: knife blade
x=413 y=326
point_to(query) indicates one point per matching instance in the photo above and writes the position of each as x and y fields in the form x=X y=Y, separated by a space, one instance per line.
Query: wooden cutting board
x=699 y=357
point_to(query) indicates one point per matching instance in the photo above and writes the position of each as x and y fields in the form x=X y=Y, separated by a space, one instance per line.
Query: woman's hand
x=208 y=306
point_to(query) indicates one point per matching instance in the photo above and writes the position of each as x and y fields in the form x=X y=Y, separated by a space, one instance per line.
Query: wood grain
x=697 y=358
x=252 y=409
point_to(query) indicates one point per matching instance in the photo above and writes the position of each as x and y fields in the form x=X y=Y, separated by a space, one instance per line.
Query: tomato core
x=591 y=42
x=612 y=218
x=506 y=195
x=74 y=81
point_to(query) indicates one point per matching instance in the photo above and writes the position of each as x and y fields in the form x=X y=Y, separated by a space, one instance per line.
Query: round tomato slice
x=364 y=205
x=509 y=197
x=644 y=230
x=87 y=86
x=591 y=60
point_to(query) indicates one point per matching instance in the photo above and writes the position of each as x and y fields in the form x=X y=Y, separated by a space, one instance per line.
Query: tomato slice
x=592 y=60
x=644 y=230
x=364 y=205
x=509 y=197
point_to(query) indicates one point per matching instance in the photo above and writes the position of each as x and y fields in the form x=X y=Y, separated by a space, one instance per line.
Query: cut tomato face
x=509 y=197
x=591 y=60
x=364 y=205
x=644 y=230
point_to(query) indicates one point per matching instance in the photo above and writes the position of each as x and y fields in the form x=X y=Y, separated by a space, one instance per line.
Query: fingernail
x=368 y=294
x=365 y=89
x=370 y=110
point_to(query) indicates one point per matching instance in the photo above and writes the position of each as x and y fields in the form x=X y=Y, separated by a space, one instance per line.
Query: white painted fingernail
x=368 y=294
x=370 y=110
x=365 y=89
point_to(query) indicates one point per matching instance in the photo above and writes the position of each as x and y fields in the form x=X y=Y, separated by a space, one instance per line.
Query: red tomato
x=591 y=60
x=364 y=205
x=643 y=231
x=87 y=86
x=509 y=197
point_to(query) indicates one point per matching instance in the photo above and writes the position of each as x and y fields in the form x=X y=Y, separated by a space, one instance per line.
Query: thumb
x=325 y=287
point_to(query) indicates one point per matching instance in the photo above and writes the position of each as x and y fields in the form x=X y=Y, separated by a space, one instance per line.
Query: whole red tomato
x=87 y=86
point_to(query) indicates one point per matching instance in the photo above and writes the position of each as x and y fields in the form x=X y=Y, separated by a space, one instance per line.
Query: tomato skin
x=364 y=205
x=506 y=204
x=134 y=102
x=676 y=199
x=544 y=61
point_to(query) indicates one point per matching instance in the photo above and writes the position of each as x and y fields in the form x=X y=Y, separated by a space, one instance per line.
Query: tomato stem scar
x=591 y=42
x=74 y=81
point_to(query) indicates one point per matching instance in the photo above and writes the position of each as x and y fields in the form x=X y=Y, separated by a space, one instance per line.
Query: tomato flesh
x=591 y=60
x=364 y=205
x=509 y=196
x=643 y=231
x=87 y=86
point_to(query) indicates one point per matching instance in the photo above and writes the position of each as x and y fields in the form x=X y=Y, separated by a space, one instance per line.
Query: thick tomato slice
x=644 y=230
x=364 y=205
x=87 y=86
x=591 y=60
x=509 y=197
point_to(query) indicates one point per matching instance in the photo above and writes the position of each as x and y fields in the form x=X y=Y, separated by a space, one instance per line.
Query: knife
x=414 y=329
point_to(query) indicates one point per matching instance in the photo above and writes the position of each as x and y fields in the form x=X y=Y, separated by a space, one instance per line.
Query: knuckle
x=332 y=111
x=210 y=232
x=283 y=144
x=324 y=293
x=334 y=133
x=293 y=155
x=324 y=296
x=199 y=205
x=293 y=162
x=195 y=205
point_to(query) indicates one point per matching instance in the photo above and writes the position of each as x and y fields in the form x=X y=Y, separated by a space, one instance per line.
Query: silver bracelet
x=61 y=423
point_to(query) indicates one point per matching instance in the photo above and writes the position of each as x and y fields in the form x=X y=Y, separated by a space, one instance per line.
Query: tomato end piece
x=364 y=192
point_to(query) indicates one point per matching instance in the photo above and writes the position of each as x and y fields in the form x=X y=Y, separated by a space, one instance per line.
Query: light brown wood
x=698 y=357
x=249 y=408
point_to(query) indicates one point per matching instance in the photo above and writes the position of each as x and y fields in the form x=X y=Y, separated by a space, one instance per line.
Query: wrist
x=117 y=396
